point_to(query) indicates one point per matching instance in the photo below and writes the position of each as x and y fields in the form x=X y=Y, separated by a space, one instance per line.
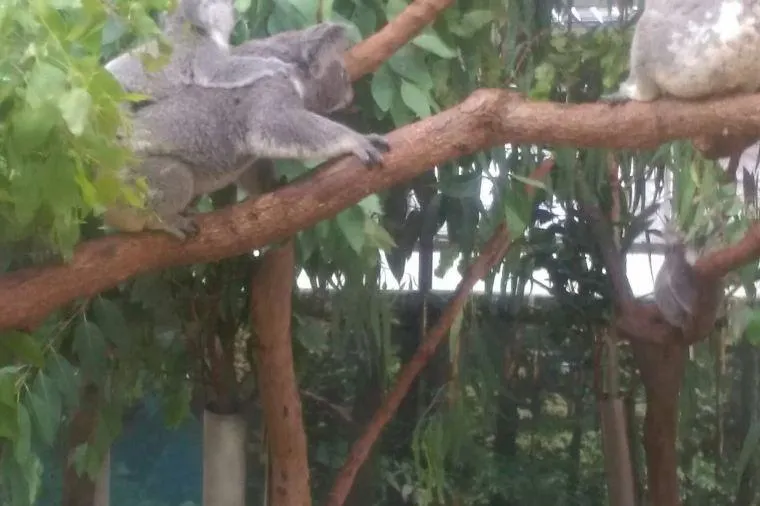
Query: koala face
x=215 y=17
x=330 y=87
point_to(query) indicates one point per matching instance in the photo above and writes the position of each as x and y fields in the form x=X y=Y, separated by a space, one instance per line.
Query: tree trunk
x=745 y=495
x=103 y=483
x=80 y=490
x=224 y=459
x=271 y=291
x=661 y=369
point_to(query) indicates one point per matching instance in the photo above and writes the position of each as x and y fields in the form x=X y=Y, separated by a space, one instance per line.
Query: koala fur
x=199 y=32
x=675 y=287
x=201 y=139
x=692 y=49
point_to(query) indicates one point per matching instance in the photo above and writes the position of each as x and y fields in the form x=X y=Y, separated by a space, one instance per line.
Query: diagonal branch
x=487 y=118
x=369 y=54
x=492 y=252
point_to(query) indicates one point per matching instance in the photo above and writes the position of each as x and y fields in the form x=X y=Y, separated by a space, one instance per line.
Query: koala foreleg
x=298 y=133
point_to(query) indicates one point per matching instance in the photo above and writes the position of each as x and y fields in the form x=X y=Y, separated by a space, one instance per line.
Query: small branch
x=342 y=411
x=369 y=54
x=492 y=253
x=487 y=118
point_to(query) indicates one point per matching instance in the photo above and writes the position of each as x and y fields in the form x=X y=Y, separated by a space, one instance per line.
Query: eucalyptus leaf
x=45 y=403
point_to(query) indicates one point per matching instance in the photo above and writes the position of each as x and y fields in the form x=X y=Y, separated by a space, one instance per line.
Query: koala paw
x=181 y=227
x=615 y=98
x=371 y=148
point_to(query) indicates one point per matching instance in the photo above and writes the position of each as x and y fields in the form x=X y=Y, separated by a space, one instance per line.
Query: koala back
x=699 y=48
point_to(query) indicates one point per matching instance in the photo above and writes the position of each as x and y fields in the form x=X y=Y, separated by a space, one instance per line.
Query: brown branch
x=487 y=118
x=271 y=291
x=369 y=54
x=492 y=252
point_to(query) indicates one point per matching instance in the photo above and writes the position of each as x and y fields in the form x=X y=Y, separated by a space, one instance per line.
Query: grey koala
x=692 y=49
x=199 y=31
x=201 y=139
x=675 y=287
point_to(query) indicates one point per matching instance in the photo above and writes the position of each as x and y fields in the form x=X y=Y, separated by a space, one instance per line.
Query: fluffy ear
x=324 y=40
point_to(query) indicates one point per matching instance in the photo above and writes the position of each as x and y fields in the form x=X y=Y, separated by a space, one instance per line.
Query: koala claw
x=181 y=227
x=371 y=150
x=615 y=98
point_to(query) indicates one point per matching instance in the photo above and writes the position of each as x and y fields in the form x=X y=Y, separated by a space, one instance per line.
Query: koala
x=675 y=287
x=199 y=31
x=201 y=139
x=693 y=49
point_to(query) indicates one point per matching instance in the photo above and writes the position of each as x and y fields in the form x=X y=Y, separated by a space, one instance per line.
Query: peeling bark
x=271 y=291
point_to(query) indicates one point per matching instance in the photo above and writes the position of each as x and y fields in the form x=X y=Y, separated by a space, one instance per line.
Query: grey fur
x=201 y=139
x=675 y=287
x=692 y=49
x=199 y=32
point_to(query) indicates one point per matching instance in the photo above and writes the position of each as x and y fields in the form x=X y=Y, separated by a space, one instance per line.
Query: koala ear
x=324 y=39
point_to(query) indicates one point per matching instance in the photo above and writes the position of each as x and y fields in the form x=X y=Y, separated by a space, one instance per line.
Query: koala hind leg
x=170 y=191
x=258 y=178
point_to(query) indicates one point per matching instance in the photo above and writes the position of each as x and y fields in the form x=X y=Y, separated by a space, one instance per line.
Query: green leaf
x=110 y=319
x=432 y=43
x=176 y=405
x=8 y=392
x=65 y=4
x=351 y=224
x=75 y=108
x=45 y=402
x=66 y=379
x=22 y=346
x=409 y=62
x=752 y=331
x=415 y=99
x=90 y=347
x=307 y=8
x=378 y=236
x=22 y=447
x=46 y=82
x=383 y=88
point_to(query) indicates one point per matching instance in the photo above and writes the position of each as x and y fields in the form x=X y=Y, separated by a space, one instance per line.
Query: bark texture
x=271 y=291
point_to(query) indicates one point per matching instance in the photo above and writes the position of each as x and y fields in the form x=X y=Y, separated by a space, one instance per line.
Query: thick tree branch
x=487 y=118
x=492 y=252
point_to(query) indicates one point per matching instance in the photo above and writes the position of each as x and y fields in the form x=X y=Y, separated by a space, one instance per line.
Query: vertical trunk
x=103 y=483
x=661 y=369
x=617 y=460
x=79 y=490
x=745 y=495
x=633 y=445
x=271 y=292
x=574 y=448
x=224 y=459
x=368 y=399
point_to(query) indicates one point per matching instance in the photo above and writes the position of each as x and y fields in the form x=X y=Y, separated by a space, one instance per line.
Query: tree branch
x=369 y=54
x=492 y=252
x=487 y=118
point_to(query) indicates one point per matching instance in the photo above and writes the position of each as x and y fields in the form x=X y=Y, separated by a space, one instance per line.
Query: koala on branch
x=685 y=299
x=202 y=139
x=693 y=49
x=199 y=32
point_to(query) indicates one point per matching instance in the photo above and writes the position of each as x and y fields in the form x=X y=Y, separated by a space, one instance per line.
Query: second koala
x=693 y=49
x=202 y=139
x=199 y=31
